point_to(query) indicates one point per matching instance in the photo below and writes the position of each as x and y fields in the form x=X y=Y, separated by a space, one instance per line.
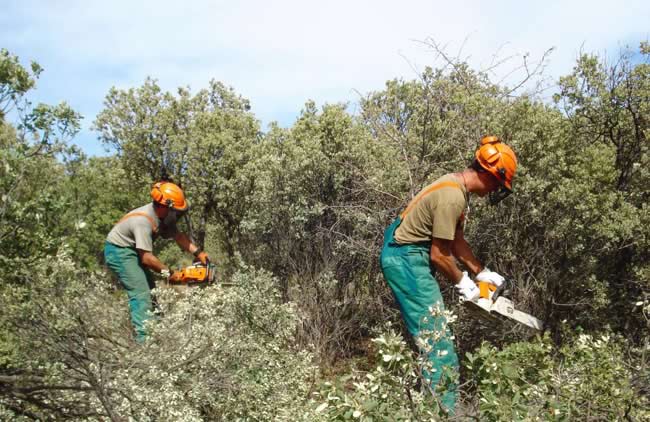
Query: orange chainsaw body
x=197 y=273
x=486 y=289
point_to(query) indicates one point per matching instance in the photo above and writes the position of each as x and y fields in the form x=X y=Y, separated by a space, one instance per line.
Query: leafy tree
x=314 y=224
x=606 y=105
x=15 y=81
x=98 y=194
x=200 y=140
x=31 y=174
x=433 y=122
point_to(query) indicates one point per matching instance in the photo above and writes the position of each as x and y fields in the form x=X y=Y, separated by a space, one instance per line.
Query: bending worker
x=428 y=235
x=129 y=245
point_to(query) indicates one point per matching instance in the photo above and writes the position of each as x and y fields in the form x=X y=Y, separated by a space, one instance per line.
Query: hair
x=474 y=165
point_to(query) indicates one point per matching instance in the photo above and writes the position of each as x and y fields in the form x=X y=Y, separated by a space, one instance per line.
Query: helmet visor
x=173 y=216
x=499 y=195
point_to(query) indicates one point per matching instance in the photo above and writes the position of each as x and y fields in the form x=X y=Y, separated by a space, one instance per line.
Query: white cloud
x=281 y=53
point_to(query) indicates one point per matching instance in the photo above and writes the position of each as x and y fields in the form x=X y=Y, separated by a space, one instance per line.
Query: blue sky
x=279 y=54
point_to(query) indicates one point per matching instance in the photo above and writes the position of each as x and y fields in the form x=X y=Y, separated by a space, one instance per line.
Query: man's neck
x=470 y=179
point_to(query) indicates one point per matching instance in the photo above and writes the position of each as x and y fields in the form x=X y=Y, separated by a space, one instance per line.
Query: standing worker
x=129 y=245
x=428 y=235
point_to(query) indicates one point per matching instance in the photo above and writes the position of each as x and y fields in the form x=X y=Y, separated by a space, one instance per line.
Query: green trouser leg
x=408 y=272
x=137 y=281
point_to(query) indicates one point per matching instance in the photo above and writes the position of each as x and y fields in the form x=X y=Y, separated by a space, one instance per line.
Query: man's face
x=161 y=211
x=489 y=184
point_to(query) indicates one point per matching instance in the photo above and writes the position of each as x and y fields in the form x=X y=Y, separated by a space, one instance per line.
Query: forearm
x=150 y=261
x=447 y=266
x=184 y=242
x=463 y=252
x=443 y=260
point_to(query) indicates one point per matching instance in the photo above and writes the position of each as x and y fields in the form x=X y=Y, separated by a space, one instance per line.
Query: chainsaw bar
x=480 y=312
x=506 y=308
x=502 y=307
x=493 y=305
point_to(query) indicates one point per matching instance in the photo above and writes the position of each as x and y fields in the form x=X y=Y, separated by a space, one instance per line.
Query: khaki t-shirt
x=138 y=231
x=434 y=212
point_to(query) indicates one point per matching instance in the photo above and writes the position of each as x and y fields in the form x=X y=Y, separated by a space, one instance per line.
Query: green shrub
x=588 y=378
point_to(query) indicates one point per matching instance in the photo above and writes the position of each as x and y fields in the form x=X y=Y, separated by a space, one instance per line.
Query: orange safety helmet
x=170 y=195
x=498 y=159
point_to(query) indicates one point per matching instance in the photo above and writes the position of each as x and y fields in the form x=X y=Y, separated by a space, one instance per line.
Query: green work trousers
x=409 y=273
x=138 y=282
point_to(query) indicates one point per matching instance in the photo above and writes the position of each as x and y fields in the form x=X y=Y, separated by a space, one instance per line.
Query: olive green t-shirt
x=434 y=212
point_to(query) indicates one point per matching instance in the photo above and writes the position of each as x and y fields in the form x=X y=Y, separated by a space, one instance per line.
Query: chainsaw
x=493 y=304
x=197 y=273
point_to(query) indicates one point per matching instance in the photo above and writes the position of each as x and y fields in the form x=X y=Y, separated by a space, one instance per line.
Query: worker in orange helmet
x=428 y=237
x=129 y=245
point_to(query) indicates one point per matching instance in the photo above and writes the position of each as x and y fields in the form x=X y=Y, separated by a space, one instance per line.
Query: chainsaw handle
x=197 y=260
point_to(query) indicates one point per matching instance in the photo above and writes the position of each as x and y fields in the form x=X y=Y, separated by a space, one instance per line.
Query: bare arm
x=443 y=260
x=150 y=261
x=185 y=243
x=463 y=252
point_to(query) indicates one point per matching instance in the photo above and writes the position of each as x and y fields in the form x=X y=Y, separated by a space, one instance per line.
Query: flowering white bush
x=388 y=392
x=395 y=389
x=220 y=354
x=213 y=354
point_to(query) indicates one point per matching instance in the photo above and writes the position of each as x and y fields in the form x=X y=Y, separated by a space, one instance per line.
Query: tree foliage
x=202 y=141
x=15 y=81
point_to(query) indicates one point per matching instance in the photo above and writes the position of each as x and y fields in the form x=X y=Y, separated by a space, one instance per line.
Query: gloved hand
x=175 y=277
x=491 y=277
x=467 y=288
x=203 y=257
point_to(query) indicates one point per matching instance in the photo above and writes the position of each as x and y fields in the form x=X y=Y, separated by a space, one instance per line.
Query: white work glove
x=467 y=288
x=491 y=277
